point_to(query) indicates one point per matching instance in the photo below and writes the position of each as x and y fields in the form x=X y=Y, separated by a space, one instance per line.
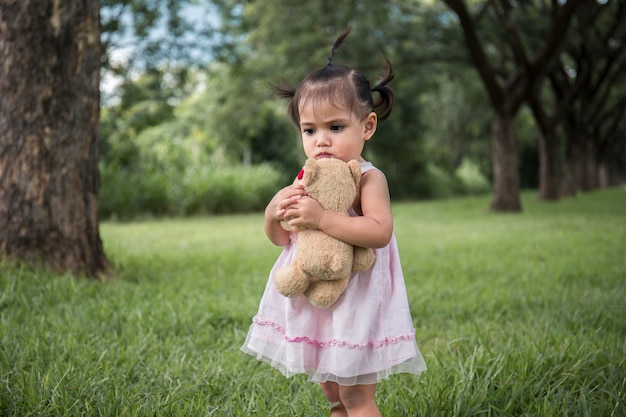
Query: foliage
x=237 y=119
x=161 y=159
x=263 y=52
x=209 y=189
x=223 y=108
x=251 y=129
x=139 y=36
x=438 y=183
x=516 y=315
x=471 y=179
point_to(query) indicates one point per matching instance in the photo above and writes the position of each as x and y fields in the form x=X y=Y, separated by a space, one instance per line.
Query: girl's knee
x=357 y=395
x=331 y=391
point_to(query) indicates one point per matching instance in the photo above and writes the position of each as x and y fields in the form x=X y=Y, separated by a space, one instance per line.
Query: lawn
x=516 y=315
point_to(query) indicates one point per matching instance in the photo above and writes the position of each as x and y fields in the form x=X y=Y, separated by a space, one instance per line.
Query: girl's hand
x=304 y=212
x=275 y=212
x=286 y=198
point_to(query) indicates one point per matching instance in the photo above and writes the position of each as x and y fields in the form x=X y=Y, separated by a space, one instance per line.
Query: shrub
x=472 y=180
x=208 y=189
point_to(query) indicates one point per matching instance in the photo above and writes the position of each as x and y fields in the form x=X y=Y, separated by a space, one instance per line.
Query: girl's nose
x=323 y=138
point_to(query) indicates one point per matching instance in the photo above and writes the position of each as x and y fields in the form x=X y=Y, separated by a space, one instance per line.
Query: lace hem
x=334 y=342
x=340 y=366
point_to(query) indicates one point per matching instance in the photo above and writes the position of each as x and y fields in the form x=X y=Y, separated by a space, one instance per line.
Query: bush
x=472 y=181
x=438 y=183
x=127 y=194
x=231 y=189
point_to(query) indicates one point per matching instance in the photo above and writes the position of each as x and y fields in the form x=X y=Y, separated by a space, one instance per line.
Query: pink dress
x=364 y=337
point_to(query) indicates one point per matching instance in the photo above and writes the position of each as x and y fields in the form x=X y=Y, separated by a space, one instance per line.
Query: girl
x=367 y=335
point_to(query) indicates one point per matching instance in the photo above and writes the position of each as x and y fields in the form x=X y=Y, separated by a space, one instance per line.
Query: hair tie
x=330 y=57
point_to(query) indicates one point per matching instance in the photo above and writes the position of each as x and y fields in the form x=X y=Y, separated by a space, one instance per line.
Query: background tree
x=258 y=53
x=510 y=73
x=49 y=111
x=257 y=48
x=592 y=75
x=584 y=78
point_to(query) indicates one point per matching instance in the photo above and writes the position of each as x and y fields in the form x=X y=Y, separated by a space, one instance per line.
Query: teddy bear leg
x=323 y=294
x=363 y=259
x=291 y=280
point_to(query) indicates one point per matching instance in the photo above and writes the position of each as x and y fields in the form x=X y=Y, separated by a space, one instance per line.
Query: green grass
x=516 y=314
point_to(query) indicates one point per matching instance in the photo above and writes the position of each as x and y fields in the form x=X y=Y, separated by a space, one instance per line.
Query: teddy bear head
x=332 y=182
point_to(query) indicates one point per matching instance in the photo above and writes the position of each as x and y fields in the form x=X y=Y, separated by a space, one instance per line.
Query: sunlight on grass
x=516 y=314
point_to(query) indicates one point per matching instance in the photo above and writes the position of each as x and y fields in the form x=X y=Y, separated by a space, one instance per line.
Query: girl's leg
x=331 y=392
x=359 y=401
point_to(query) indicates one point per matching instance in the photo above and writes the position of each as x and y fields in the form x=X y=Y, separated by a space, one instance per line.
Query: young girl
x=368 y=334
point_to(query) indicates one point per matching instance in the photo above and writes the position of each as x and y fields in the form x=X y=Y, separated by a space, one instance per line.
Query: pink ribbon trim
x=334 y=342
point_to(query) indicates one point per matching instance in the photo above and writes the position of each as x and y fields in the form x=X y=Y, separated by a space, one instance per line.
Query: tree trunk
x=49 y=115
x=548 y=167
x=589 y=179
x=570 y=168
x=504 y=159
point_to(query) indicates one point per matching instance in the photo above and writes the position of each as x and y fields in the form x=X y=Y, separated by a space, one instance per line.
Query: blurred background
x=189 y=125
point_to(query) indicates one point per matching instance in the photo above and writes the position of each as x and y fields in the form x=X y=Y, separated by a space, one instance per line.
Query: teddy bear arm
x=363 y=259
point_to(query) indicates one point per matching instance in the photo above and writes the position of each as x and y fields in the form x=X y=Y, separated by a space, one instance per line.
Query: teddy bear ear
x=355 y=168
x=310 y=169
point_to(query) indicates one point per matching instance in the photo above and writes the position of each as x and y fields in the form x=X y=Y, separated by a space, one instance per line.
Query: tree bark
x=49 y=115
x=505 y=169
x=589 y=179
x=570 y=168
x=548 y=167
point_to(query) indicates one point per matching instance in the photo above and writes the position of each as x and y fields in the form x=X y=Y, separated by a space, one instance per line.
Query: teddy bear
x=322 y=265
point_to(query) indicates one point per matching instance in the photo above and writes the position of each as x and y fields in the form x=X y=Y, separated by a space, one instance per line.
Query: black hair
x=343 y=86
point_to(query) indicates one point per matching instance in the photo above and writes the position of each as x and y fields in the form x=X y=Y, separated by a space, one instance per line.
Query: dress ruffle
x=305 y=356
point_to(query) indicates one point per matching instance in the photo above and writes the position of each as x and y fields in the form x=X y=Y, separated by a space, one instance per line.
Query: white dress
x=366 y=336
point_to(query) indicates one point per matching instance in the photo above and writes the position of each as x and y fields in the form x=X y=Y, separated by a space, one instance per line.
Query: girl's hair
x=341 y=86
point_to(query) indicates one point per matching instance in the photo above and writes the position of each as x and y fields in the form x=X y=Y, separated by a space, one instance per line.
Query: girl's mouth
x=323 y=155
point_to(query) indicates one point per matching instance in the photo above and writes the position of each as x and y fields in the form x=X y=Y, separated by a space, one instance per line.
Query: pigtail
x=340 y=85
x=386 y=97
x=337 y=44
x=287 y=92
x=283 y=90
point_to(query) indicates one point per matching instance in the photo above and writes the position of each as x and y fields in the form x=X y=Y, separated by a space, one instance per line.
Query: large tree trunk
x=505 y=170
x=49 y=114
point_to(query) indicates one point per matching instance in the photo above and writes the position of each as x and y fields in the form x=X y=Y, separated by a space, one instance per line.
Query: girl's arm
x=275 y=211
x=371 y=230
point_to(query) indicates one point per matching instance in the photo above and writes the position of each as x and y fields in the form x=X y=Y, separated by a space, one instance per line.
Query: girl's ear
x=371 y=122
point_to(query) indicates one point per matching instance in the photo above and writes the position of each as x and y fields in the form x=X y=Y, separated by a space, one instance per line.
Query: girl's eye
x=308 y=131
x=336 y=128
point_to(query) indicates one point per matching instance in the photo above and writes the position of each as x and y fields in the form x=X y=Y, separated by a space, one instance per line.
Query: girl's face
x=329 y=131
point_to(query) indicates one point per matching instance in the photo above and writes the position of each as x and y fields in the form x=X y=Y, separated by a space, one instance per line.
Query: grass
x=516 y=315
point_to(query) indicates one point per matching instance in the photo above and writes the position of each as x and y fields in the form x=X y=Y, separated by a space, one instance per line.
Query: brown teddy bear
x=322 y=265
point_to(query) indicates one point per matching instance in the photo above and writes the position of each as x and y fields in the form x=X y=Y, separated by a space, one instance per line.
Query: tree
x=585 y=95
x=49 y=112
x=510 y=76
x=261 y=52
x=162 y=37
x=594 y=124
